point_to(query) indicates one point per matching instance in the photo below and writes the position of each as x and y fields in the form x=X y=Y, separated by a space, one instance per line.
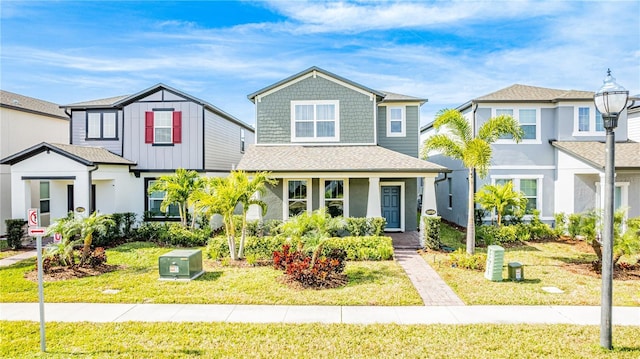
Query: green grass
x=8 y=253
x=370 y=283
x=236 y=340
x=545 y=265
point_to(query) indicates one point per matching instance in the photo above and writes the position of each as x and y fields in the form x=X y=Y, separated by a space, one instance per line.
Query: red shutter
x=148 y=127
x=177 y=127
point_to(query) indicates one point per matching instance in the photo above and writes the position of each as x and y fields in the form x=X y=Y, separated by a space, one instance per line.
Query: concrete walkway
x=17 y=258
x=80 y=312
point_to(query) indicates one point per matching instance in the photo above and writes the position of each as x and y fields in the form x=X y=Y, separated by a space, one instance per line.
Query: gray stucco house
x=559 y=165
x=334 y=143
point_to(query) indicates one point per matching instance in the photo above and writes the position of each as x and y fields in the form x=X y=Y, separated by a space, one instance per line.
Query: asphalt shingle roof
x=99 y=102
x=627 y=154
x=88 y=155
x=332 y=159
x=25 y=103
x=519 y=92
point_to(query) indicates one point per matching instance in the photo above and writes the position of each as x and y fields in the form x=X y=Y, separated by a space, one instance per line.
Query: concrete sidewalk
x=473 y=314
x=17 y=258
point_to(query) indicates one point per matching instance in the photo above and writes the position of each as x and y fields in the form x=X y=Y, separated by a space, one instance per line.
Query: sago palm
x=474 y=150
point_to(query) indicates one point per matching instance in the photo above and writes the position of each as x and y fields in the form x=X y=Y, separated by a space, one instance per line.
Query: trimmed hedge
x=431 y=232
x=15 y=232
x=357 y=248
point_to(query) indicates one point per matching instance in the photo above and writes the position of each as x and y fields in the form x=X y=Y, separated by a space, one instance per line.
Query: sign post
x=38 y=232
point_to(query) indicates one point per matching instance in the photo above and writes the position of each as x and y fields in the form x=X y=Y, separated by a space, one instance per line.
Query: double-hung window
x=529 y=120
x=396 y=124
x=44 y=197
x=588 y=122
x=154 y=202
x=297 y=197
x=163 y=127
x=334 y=197
x=530 y=187
x=242 y=140
x=102 y=125
x=315 y=121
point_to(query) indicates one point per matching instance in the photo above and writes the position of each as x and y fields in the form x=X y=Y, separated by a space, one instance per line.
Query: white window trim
x=170 y=127
x=345 y=199
x=403 y=132
x=516 y=116
x=592 y=122
x=166 y=215
x=402 y=197
x=516 y=187
x=624 y=200
x=285 y=195
x=315 y=138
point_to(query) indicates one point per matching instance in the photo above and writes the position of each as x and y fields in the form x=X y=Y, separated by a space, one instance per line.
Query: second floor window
x=315 y=121
x=529 y=123
x=101 y=125
x=163 y=127
x=588 y=121
x=395 y=122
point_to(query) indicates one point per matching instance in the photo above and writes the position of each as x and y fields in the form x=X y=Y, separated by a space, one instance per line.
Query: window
x=102 y=125
x=334 y=197
x=395 y=122
x=529 y=122
x=588 y=122
x=154 y=201
x=44 y=197
x=529 y=186
x=242 y=142
x=620 y=196
x=163 y=127
x=450 y=186
x=297 y=197
x=315 y=121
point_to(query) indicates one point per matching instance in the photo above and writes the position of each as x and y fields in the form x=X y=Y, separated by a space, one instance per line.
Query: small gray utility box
x=181 y=264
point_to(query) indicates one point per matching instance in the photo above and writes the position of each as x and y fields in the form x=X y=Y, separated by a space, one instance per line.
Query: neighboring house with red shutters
x=120 y=145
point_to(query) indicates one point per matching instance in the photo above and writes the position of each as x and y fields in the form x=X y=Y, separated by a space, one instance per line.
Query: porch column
x=20 y=196
x=81 y=192
x=429 y=194
x=373 y=199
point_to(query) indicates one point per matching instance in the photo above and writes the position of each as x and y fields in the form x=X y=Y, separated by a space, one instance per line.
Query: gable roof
x=627 y=154
x=87 y=155
x=121 y=101
x=366 y=158
x=524 y=93
x=388 y=96
x=19 y=102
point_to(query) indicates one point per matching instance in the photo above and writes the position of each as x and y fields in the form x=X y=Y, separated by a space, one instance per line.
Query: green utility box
x=516 y=271
x=495 y=259
x=182 y=264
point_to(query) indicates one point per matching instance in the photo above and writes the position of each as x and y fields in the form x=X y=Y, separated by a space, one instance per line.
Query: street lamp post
x=610 y=100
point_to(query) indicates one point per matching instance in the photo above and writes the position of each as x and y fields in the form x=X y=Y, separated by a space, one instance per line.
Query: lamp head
x=611 y=98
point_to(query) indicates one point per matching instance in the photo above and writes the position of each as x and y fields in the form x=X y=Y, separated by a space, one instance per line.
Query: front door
x=391 y=206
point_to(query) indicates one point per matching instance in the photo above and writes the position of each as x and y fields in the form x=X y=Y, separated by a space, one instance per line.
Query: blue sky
x=447 y=52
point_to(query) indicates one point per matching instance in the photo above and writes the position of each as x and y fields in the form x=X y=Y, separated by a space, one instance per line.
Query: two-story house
x=559 y=164
x=118 y=146
x=334 y=143
x=25 y=121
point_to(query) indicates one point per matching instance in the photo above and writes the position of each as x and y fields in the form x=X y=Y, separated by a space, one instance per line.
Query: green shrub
x=561 y=224
x=431 y=232
x=462 y=259
x=358 y=226
x=261 y=248
x=573 y=226
x=377 y=225
x=15 y=232
x=489 y=235
x=272 y=227
x=173 y=234
x=362 y=248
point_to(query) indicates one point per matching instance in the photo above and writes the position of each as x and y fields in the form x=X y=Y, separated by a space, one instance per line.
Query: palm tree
x=249 y=187
x=474 y=150
x=177 y=188
x=88 y=226
x=71 y=226
x=500 y=198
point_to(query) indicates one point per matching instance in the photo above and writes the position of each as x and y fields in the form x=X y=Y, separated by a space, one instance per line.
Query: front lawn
x=241 y=340
x=370 y=283
x=560 y=264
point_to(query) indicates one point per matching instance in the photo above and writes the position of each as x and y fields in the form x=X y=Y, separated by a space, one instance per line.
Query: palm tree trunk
x=471 y=229
x=86 y=249
x=243 y=235
x=231 y=238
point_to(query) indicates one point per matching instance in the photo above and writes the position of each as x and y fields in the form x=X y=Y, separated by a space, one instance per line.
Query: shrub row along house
x=559 y=164
x=330 y=142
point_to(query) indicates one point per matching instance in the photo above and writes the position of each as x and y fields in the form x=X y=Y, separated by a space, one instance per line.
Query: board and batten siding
x=79 y=131
x=188 y=154
x=407 y=144
x=356 y=111
x=222 y=142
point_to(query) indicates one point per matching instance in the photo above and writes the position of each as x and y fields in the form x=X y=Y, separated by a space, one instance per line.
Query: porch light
x=610 y=100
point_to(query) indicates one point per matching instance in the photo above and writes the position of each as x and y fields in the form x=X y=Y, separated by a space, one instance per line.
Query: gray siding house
x=152 y=133
x=559 y=163
x=337 y=144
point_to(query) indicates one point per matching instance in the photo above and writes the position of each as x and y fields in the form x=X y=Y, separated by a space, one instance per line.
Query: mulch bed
x=335 y=281
x=75 y=272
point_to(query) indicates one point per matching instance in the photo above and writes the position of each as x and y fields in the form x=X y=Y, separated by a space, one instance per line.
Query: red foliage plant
x=324 y=273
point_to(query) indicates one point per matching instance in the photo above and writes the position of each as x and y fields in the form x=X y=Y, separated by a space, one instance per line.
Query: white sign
x=37 y=231
x=57 y=238
x=32 y=217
